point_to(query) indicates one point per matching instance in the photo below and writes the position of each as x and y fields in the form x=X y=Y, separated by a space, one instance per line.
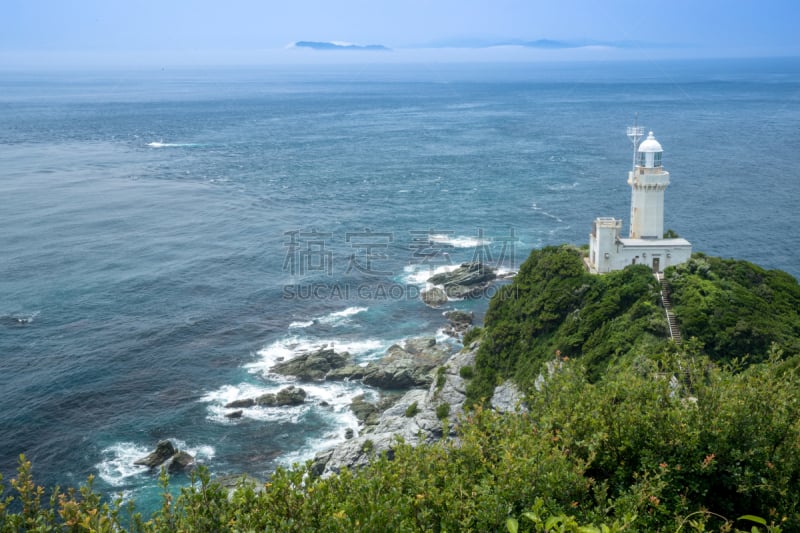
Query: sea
x=167 y=235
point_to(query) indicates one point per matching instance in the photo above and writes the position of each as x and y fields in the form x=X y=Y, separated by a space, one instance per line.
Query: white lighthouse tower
x=648 y=181
x=646 y=243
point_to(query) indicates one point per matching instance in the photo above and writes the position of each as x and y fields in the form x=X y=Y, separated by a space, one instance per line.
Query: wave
x=336 y=318
x=459 y=241
x=338 y=396
x=333 y=398
x=289 y=347
x=116 y=467
x=18 y=319
x=562 y=186
x=159 y=144
x=419 y=274
x=545 y=213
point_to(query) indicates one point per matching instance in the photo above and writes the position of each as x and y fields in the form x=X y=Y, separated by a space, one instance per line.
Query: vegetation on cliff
x=623 y=431
x=733 y=308
x=555 y=306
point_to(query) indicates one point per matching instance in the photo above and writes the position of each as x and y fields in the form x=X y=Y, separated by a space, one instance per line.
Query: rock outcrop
x=466 y=281
x=434 y=297
x=287 y=396
x=459 y=323
x=312 y=366
x=166 y=452
x=507 y=398
x=402 y=367
x=406 y=366
x=413 y=418
x=180 y=462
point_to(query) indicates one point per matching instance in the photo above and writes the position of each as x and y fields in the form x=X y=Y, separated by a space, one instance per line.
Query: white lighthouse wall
x=656 y=254
x=602 y=243
x=647 y=214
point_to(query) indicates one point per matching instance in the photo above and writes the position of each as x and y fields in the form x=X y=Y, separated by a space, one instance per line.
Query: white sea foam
x=219 y=398
x=336 y=318
x=117 y=467
x=340 y=317
x=333 y=397
x=289 y=347
x=160 y=144
x=545 y=213
x=419 y=274
x=117 y=464
x=562 y=186
x=459 y=241
x=339 y=398
x=201 y=452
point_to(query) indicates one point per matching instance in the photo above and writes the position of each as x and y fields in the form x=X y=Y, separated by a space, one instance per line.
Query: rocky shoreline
x=416 y=417
x=422 y=385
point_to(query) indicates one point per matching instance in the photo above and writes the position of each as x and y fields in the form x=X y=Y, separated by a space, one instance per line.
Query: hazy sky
x=245 y=31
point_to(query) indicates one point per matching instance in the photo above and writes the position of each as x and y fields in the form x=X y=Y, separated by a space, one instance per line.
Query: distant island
x=546 y=44
x=330 y=45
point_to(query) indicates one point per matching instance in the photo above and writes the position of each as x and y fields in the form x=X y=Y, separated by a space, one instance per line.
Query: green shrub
x=442 y=411
x=466 y=372
x=441 y=378
x=735 y=308
x=472 y=334
x=412 y=410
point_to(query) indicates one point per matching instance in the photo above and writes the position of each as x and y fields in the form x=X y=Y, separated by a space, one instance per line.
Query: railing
x=672 y=321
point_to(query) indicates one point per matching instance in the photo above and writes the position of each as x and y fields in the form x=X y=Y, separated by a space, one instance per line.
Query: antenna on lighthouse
x=635 y=133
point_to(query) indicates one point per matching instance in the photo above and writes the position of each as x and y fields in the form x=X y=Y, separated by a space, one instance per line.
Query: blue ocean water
x=168 y=235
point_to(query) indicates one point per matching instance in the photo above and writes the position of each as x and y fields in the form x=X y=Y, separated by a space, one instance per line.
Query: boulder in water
x=164 y=450
x=290 y=395
x=180 y=462
x=312 y=366
x=466 y=281
x=434 y=297
x=236 y=404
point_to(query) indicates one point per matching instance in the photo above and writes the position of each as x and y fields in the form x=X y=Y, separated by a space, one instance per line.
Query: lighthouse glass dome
x=649 y=153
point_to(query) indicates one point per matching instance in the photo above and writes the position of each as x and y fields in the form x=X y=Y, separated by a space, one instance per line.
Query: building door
x=656 y=264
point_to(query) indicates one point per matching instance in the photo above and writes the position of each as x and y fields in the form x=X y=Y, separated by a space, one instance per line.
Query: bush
x=441 y=378
x=466 y=372
x=442 y=411
x=736 y=308
x=368 y=446
x=555 y=306
x=472 y=334
x=412 y=410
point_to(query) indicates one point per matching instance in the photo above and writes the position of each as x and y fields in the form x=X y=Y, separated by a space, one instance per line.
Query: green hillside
x=732 y=310
x=735 y=308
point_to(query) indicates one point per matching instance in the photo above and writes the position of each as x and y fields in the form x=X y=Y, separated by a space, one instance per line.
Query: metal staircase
x=674 y=331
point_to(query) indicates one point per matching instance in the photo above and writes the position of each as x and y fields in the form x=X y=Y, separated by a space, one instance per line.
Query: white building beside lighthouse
x=646 y=243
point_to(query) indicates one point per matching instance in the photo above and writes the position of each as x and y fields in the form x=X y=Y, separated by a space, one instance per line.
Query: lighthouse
x=645 y=243
x=648 y=181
